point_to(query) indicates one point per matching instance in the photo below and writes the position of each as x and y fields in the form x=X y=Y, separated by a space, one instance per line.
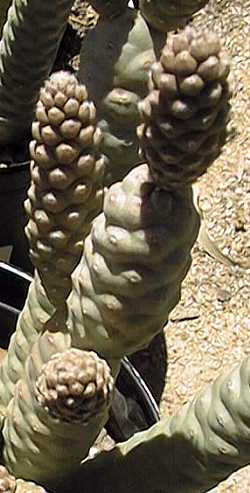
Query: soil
x=208 y=331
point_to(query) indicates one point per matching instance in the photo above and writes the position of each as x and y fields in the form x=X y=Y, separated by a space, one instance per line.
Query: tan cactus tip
x=75 y=386
x=7 y=482
x=186 y=111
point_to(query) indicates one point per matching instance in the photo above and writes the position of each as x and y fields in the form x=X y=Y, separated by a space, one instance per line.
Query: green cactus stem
x=32 y=320
x=115 y=58
x=134 y=261
x=59 y=407
x=167 y=15
x=187 y=107
x=9 y=484
x=109 y=8
x=66 y=181
x=3 y=13
x=27 y=51
x=188 y=453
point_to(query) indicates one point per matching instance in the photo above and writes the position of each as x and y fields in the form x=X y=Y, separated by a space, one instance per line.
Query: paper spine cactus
x=60 y=403
x=186 y=109
x=192 y=452
x=9 y=484
x=66 y=181
x=30 y=39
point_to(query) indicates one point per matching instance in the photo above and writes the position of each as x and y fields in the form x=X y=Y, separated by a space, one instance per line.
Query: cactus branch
x=188 y=453
x=59 y=407
x=66 y=181
x=28 y=48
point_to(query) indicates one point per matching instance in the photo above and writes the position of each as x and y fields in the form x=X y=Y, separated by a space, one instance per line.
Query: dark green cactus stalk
x=9 y=484
x=66 y=181
x=134 y=261
x=167 y=15
x=59 y=407
x=3 y=13
x=109 y=8
x=27 y=51
x=188 y=453
x=186 y=110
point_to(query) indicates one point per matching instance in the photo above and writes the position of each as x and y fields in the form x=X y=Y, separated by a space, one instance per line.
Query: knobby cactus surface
x=109 y=263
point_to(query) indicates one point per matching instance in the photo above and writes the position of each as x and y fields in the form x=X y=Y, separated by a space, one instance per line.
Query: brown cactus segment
x=186 y=110
x=67 y=171
x=7 y=481
x=75 y=386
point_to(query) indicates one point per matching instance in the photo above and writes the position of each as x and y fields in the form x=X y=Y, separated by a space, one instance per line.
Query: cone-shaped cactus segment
x=66 y=188
x=186 y=111
x=60 y=406
x=74 y=386
x=167 y=15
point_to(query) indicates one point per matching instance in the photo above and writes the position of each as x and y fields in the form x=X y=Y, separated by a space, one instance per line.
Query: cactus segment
x=109 y=8
x=115 y=59
x=32 y=320
x=58 y=409
x=186 y=110
x=134 y=261
x=28 y=48
x=75 y=386
x=188 y=453
x=167 y=15
x=66 y=188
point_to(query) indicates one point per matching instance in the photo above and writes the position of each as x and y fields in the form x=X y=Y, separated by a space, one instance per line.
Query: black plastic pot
x=14 y=183
x=133 y=409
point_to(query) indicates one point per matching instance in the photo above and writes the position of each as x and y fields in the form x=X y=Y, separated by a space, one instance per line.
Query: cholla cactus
x=57 y=379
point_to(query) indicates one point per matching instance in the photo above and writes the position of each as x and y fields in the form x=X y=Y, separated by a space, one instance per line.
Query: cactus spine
x=27 y=50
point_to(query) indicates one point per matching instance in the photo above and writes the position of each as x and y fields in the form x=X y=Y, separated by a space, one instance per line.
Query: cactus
x=115 y=60
x=109 y=263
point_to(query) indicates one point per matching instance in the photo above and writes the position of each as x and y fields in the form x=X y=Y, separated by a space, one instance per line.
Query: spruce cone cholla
x=7 y=481
x=75 y=386
x=67 y=172
x=186 y=111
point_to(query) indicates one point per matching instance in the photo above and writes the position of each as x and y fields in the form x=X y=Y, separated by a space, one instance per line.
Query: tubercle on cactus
x=9 y=484
x=3 y=13
x=66 y=190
